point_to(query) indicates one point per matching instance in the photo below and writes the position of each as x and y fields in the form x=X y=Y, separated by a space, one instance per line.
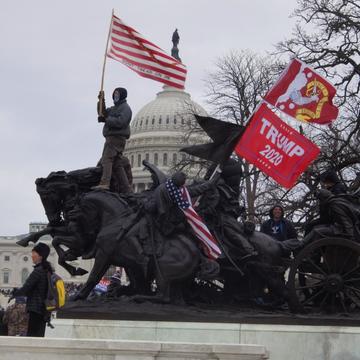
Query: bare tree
x=327 y=36
x=237 y=85
x=191 y=134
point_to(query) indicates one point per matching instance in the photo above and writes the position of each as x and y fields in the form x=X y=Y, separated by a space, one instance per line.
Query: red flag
x=145 y=58
x=303 y=94
x=276 y=148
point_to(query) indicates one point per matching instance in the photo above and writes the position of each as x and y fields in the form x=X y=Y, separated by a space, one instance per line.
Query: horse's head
x=57 y=195
x=59 y=192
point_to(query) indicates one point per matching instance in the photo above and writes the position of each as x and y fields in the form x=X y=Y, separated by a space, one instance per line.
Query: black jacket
x=35 y=289
x=117 y=120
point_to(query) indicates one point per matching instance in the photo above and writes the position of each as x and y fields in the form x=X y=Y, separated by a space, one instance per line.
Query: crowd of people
x=71 y=288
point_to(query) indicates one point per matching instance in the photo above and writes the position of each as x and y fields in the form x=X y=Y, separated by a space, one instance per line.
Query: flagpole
x=103 y=69
x=218 y=169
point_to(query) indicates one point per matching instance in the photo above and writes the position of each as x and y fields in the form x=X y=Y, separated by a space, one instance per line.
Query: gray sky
x=50 y=70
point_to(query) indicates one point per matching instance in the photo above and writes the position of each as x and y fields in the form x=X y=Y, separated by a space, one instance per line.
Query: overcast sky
x=50 y=65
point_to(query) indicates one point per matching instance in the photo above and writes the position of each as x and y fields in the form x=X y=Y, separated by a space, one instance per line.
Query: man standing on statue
x=116 y=131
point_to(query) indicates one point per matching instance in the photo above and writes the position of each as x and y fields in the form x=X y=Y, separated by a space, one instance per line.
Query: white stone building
x=16 y=263
x=157 y=133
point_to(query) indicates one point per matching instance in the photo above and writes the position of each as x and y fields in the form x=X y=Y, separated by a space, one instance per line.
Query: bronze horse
x=108 y=213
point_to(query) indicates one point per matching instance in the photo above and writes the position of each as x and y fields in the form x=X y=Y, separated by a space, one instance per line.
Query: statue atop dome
x=175 y=40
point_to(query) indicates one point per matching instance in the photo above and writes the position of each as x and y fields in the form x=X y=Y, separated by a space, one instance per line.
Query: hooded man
x=277 y=226
x=116 y=131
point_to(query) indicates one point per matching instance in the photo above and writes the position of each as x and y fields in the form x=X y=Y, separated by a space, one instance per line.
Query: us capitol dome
x=158 y=132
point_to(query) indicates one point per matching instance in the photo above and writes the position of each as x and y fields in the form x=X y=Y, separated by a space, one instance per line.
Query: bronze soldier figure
x=342 y=218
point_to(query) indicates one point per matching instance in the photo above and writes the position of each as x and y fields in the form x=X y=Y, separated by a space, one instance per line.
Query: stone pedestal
x=14 y=348
x=284 y=342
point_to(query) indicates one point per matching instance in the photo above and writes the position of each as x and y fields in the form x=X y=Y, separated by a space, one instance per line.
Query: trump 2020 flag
x=276 y=148
x=142 y=56
x=303 y=94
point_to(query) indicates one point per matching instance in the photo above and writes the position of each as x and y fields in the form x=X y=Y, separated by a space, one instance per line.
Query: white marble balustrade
x=22 y=348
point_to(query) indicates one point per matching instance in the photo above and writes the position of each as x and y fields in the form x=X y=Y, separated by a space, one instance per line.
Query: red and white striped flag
x=131 y=49
x=182 y=198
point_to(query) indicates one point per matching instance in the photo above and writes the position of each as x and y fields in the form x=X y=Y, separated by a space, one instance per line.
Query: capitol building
x=158 y=131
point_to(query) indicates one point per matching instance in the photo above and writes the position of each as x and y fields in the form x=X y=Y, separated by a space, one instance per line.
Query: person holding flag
x=116 y=131
x=129 y=47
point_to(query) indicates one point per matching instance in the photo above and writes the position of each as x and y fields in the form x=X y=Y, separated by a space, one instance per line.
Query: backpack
x=56 y=292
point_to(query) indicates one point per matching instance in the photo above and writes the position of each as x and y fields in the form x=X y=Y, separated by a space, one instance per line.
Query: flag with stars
x=182 y=198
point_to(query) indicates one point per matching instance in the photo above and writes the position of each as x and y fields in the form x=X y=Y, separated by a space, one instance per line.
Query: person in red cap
x=35 y=289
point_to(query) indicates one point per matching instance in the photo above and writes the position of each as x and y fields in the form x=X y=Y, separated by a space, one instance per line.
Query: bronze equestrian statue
x=122 y=230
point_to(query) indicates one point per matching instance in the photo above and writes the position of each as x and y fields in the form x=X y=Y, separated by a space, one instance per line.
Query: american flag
x=131 y=49
x=102 y=286
x=182 y=198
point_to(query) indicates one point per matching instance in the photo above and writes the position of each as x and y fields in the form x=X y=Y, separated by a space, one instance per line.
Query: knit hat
x=42 y=249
